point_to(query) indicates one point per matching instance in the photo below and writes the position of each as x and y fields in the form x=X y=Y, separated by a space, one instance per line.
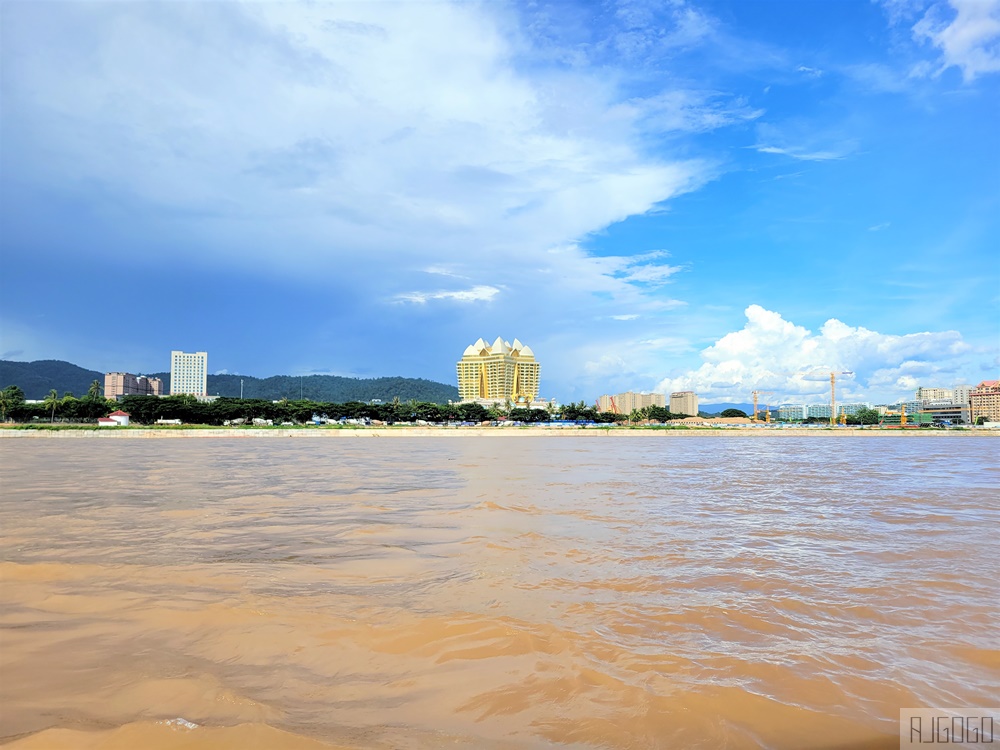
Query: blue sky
x=719 y=196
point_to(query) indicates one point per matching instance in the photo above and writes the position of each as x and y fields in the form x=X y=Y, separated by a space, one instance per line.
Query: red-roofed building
x=107 y=422
x=119 y=417
x=984 y=401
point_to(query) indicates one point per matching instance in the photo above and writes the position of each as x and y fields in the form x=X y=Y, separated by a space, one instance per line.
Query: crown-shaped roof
x=499 y=346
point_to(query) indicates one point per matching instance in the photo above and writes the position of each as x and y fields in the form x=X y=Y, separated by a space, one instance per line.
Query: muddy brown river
x=514 y=592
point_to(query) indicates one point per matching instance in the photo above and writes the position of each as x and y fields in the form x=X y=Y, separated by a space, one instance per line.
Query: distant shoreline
x=478 y=432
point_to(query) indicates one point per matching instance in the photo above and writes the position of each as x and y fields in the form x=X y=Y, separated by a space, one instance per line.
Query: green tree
x=11 y=398
x=51 y=402
x=867 y=416
x=94 y=392
x=729 y=413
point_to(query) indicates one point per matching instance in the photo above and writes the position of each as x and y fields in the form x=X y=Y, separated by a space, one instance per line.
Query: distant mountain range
x=36 y=379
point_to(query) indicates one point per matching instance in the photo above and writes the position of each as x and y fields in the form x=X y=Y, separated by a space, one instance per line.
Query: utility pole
x=241 y=389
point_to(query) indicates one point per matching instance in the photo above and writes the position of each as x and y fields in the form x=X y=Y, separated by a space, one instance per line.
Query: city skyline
x=715 y=197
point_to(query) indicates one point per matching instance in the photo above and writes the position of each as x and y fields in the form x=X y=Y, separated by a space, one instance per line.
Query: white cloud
x=481 y=293
x=801 y=153
x=801 y=141
x=967 y=34
x=880 y=227
x=331 y=136
x=632 y=316
x=810 y=72
x=771 y=353
x=684 y=110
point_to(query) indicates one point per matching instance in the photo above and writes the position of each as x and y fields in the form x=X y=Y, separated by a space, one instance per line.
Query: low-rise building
x=852 y=409
x=792 y=412
x=114 y=419
x=947 y=411
x=819 y=411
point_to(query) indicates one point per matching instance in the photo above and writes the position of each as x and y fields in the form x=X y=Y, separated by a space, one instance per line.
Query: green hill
x=36 y=379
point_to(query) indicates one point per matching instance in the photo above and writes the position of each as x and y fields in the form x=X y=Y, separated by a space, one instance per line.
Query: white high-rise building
x=188 y=373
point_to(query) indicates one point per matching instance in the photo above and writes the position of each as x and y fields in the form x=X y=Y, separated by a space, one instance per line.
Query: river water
x=515 y=592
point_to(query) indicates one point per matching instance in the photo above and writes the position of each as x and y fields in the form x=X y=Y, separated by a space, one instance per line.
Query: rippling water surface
x=510 y=592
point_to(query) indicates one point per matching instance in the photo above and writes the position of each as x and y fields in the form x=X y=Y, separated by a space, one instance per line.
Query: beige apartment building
x=499 y=373
x=118 y=384
x=684 y=402
x=626 y=403
x=188 y=373
x=934 y=394
x=984 y=401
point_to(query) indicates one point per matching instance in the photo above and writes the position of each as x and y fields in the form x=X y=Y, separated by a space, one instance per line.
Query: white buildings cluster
x=963 y=404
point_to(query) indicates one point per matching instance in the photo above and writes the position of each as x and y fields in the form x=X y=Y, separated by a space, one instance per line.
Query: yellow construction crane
x=767 y=415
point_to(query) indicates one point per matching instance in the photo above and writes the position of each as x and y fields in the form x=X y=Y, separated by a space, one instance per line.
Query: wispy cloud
x=631 y=316
x=474 y=294
x=810 y=72
x=802 y=141
x=880 y=227
x=801 y=153
x=684 y=110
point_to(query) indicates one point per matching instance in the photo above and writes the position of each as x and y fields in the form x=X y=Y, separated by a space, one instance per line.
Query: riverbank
x=78 y=432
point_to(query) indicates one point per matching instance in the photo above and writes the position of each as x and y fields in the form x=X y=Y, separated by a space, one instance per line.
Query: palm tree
x=94 y=392
x=52 y=400
x=5 y=402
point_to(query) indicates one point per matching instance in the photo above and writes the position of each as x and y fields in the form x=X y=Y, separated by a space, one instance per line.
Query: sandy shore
x=483 y=432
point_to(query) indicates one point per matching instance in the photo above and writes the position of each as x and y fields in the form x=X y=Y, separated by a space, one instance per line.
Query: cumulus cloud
x=322 y=136
x=774 y=354
x=967 y=34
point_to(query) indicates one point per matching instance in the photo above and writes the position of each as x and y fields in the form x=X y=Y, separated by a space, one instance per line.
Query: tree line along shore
x=148 y=410
x=68 y=410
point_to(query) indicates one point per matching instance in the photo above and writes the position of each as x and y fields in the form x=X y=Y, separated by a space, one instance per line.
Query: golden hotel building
x=501 y=372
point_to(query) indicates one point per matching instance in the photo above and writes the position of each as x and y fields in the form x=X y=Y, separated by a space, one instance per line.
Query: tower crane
x=755 y=394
